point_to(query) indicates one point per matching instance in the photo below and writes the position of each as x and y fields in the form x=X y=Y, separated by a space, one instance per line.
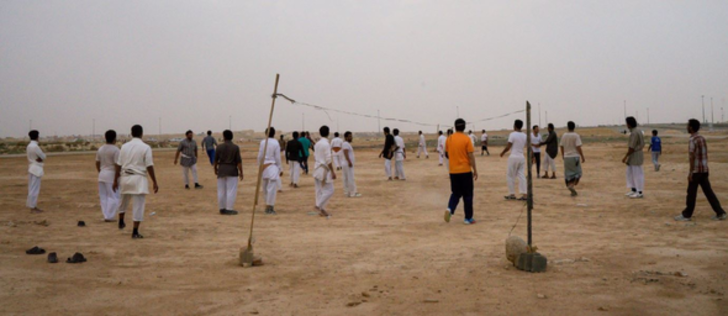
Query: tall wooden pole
x=530 y=174
x=262 y=161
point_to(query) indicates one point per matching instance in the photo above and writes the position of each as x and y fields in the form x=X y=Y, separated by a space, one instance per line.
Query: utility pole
x=303 y=125
x=93 y=129
x=379 y=122
x=30 y=125
x=625 y=108
x=539 y=115
x=711 y=113
x=547 y=116
x=648 y=116
x=702 y=101
x=160 y=128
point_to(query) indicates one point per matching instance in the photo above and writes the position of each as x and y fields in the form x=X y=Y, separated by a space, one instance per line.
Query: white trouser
x=324 y=192
x=270 y=189
x=516 y=167
x=635 y=178
x=388 y=167
x=336 y=159
x=349 y=184
x=227 y=192
x=295 y=170
x=442 y=156
x=185 y=172
x=399 y=169
x=137 y=209
x=422 y=149
x=279 y=184
x=33 y=191
x=109 y=200
x=549 y=162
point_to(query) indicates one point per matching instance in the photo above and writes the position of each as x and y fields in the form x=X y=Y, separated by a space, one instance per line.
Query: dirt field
x=387 y=253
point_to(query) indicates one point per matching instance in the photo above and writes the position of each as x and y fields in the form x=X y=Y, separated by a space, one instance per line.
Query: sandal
x=522 y=199
x=52 y=257
x=510 y=197
x=35 y=251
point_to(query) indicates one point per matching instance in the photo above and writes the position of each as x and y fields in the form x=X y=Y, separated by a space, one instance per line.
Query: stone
x=352 y=304
x=515 y=246
x=532 y=262
x=365 y=294
x=541 y=296
x=431 y=301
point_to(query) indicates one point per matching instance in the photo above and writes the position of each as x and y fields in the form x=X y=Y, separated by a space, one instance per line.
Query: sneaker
x=448 y=214
x=469 y=221
x=630 y=193
x=681 y=218
x=573 y=191
x=720 y=217
x=197 y=186
x=636 y=196
x=355 y=195
x=270 y=211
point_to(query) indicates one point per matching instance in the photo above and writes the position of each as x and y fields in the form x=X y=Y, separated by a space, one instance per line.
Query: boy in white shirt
x=132 y=167
x=473 y=139
x=399 y=156
x=348 y=167
x=484 y=143
x=441 y=146
x=106 y=158
x=571 y=152
x=336 y=144
x=422 y=147
x=323 y=174
x=536 y=147
x=516 y=162
x=36 y=158
x=269 y=160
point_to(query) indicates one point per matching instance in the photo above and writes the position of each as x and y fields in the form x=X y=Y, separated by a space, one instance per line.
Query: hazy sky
x=196 y=63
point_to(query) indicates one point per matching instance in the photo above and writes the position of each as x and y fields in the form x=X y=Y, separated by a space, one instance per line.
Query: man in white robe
x=324 y=173
x=270 y=161
x=106 y=158
x=36 y=159
x=132 y=167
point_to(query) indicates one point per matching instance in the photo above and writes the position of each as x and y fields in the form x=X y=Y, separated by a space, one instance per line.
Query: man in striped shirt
x=698 y=175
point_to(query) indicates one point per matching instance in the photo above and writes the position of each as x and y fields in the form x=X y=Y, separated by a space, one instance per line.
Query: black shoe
x=35 y=251
x=52 y=257
x=122 y=225
x=187 y=187
x=228 y=212
x=197 y=186
x=270 y=211
x=77 y=258
x=81 y=224
x=137 y=236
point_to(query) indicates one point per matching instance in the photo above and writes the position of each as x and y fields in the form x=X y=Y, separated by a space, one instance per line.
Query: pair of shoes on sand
x=53 y=257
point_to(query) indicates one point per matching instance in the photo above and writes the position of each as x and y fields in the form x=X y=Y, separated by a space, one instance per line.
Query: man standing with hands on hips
x=132 y=167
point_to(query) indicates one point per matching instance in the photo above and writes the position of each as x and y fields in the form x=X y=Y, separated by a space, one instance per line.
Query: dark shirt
x=294 y=150
x=552 y=144
x=227 y=157
x=306 y=144
x=388 y=144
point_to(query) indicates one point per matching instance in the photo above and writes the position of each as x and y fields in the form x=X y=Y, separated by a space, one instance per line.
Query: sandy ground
x=387 y=253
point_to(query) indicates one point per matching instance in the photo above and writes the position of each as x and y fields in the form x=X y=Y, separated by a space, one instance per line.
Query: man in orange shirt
x=459 y=150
